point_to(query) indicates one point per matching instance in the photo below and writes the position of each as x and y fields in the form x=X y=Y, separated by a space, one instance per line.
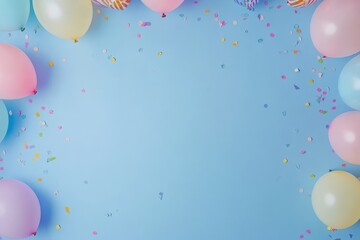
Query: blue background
x=187 y=144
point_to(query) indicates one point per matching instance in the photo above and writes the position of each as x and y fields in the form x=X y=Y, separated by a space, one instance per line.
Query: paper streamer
x=114 y=4
x=249 y=4
x=300 y=3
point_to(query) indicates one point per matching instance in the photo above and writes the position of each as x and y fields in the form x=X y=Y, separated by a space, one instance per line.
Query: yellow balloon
x=336 y=199
x=66 y=19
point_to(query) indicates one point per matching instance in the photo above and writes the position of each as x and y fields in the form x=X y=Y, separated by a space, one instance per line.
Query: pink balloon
x=344 y=136
x=17 y=74
x=162 y=6
x=19 y=209
x=335 y=28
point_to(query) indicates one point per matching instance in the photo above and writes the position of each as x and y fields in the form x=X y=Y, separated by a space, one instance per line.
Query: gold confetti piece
x=235 y=43
x=113 y=59
x=57 y=227
x=37 y=155
x=285 y=160
x=67 y=210
x=159 y=54
x=307 y=104
x=106 y=18
x=207 y=11
x=311 y=81
x=298 y=30
x=39 y=179
x=223 y=39
x=37 y=114
x=51 y=63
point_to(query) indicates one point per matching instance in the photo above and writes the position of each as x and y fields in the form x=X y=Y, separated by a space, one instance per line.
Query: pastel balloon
x=114 y=4
x=162 y=6
x=17 y=74
x=349 y=83
x=20 y=209
x=14 y=14
x=335 y=29
x=299 y=3
x=67 y=19
x=344 y=136
x=4 y=120
x=335 y=199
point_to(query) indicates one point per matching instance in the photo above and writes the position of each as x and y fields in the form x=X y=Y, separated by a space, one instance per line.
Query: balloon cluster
x=68 y=19
x=335 y=32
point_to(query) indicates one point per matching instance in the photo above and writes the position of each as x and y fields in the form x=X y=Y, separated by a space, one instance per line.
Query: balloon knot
x=163 y=15
x=35 y=92
x=75 y=40
x=34 y=233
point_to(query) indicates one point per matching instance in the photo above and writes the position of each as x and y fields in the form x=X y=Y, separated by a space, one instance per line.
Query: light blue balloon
x=13 y=14
x=349 y=83
x=4 y=120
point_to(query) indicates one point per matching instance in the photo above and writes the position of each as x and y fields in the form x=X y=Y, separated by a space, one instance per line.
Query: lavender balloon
x=19 y=209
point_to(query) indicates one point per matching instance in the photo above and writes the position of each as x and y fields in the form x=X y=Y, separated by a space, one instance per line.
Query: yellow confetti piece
x=57 y=227
x=106 y=18
x=285 y=160
x=307 y=104
x=160 y=54
x=311 y=81
x=37 y=155
x=113 y=59
x=235 y=43
x=51 y=63
x=67 y=210
x=223 y=39
x=37 y=114
x=39 y=179
x=207 y=11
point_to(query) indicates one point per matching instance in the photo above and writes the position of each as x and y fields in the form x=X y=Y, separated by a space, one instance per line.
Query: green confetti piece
x=50 y=159
x=40 y=134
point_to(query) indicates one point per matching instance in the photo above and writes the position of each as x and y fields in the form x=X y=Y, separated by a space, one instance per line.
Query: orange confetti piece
x=51 y=63
x=39 y=179
x=67 y=210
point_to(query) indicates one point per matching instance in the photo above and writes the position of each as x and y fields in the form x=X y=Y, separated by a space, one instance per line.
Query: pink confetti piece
x=301 y=236
x=267 y=24
x=272 y=35
x=43 y=107
x=283 y=77
x=51 y=111
x=94 y=233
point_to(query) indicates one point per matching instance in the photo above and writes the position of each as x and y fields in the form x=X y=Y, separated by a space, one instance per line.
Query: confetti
x=67 y=209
